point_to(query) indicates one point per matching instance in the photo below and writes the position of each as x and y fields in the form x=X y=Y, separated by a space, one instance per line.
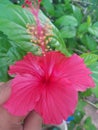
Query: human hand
x=9 y=122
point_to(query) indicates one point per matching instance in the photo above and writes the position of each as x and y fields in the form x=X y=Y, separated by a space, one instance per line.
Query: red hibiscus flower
x=48 y=84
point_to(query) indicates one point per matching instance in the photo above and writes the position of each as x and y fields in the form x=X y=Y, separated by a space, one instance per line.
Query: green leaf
x=77 y=13
x=94 y=69
x=71 y=125
x=67 y=20
x=78 y=115
x=88 y=124
x=16 y=14
x=89 y=42
x=13 y=23
x=9 y=53
x=59 y=43
x=89 y=58
x=95 y=91
x=18 y=34
x=67 y=1
x=79 y=128
x=89 y=20
x=83 y=28
x=48 y=5
x=67 y=25
x=81 y=105
x=5 y=2
x=59 y=10
x=68 y=32
x=3 y=70
x=87 y=93
x=94 y=29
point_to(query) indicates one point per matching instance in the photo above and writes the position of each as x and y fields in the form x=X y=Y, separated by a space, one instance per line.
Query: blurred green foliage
x=77 y=22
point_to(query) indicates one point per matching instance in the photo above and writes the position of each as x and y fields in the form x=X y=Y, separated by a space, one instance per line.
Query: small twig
x=90 y=103
x=84 y=2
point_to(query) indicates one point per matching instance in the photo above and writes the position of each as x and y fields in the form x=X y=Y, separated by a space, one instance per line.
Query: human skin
x=10 y=122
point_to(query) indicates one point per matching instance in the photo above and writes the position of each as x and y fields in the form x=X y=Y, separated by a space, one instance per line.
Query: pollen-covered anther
x=48 y=47
x=39 y=41
x=43 y=53
x=51 y=35
x=35 y=41
x=27 y=25
x=28 y=31
x=41 y=38
x=31 y=40
x=41 y=32
x=30 y=27
x=35 y=32
x=47 y=41
x=47 y=34
x=34 y=44
x=39 y=52
x=48 y=26
x=32 y=30
x=42 y=43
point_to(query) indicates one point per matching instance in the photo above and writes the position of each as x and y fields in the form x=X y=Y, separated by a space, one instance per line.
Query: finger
x=9 y=121
x=33 y=122
x=1 y=83
x=5 y=91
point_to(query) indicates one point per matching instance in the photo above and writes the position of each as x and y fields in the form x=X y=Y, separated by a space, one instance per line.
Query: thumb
x=5 y=91
x=33 y=122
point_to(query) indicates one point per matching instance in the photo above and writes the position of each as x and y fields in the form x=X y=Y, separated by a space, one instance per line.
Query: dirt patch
x=93 y=113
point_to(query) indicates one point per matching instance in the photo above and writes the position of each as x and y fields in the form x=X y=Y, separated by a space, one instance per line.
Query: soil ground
x=93 y=113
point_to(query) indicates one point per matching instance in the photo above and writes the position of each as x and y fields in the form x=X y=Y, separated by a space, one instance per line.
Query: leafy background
x=75 y=29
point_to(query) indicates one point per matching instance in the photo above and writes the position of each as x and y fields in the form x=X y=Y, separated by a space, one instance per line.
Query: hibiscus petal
x=57 y=103
x=30 y=64
x=77 y=73
x=71 y=69
x=25 y=93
